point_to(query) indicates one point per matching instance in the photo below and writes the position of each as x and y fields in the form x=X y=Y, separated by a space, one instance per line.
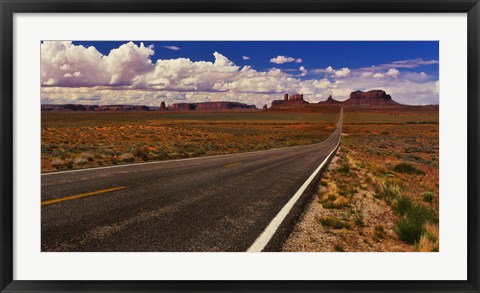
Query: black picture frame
x=9 y=7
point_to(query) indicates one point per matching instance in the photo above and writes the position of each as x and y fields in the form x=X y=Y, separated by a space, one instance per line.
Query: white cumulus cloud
x=342 y=72
x=393 y=72
x=284 y=59
x=66 y=64
x=127 y=75
x=303 y=71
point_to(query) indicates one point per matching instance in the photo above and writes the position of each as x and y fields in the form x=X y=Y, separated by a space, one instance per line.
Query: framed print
x=254 y=146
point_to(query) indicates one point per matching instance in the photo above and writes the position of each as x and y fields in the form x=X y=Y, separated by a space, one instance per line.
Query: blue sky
x=142 y=72
x=321 y=54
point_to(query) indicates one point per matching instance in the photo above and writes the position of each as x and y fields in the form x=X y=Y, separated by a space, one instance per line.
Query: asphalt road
x=219 y=203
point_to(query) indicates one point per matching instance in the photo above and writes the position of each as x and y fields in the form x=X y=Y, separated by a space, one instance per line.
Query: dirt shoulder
x=380 y=192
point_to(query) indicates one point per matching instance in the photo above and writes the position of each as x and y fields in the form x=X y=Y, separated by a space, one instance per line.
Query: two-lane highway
x=218 y=203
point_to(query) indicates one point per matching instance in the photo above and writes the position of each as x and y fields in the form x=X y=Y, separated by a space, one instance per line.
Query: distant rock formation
x=162 y=106
x=330 y=101
x=123 y=108
x=206 y=106
x=182 y=106
x=373 y=97
x=295 y=99
x=79 y=107
x=357 y=98
x=69 y=107
x=276 y=103
x=209 y=106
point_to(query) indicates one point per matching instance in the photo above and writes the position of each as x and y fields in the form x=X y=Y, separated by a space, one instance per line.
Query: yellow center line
x=81 y=195
x=231 y=165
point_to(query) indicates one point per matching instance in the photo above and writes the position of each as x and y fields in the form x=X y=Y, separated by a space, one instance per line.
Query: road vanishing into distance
x=236 y=202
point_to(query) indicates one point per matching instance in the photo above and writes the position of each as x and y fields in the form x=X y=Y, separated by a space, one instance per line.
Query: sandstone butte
x=211 y=106
x=296 y=99
x=330 y=101
x=373 y=97
x=206 y=106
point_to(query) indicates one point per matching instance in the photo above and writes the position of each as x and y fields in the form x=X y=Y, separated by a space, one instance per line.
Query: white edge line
x=270 y=230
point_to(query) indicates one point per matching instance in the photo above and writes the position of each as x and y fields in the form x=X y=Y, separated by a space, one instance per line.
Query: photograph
x=239 y=146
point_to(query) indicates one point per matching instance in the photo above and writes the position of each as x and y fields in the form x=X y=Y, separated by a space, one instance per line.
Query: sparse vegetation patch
x=386 y=178
x=81 y=140
x=407 y=168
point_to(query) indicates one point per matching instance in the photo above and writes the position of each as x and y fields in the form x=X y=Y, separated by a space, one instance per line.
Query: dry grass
x=429 y=241
x=80 y=140
x=385 y=176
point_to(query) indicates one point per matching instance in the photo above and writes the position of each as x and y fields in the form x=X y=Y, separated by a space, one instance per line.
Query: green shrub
x=409 y=231
x=403 y=205
x=69 y=164
x=419 y=150
x=412 y=226
x=379 y=233
x=428 y=196
x=329 y=222
x=389 y=192
x=412 y=158
x=406 y=168
x=344 y=169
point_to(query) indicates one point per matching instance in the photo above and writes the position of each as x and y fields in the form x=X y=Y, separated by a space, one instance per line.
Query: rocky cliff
x=123 y=108
x=163 y=107
x=207 y=106
x=211 y=106
x=373 y=97
x=295 y=99
x=330 y=101
x=68 y=107
x=357 y=98
x=79 y=107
